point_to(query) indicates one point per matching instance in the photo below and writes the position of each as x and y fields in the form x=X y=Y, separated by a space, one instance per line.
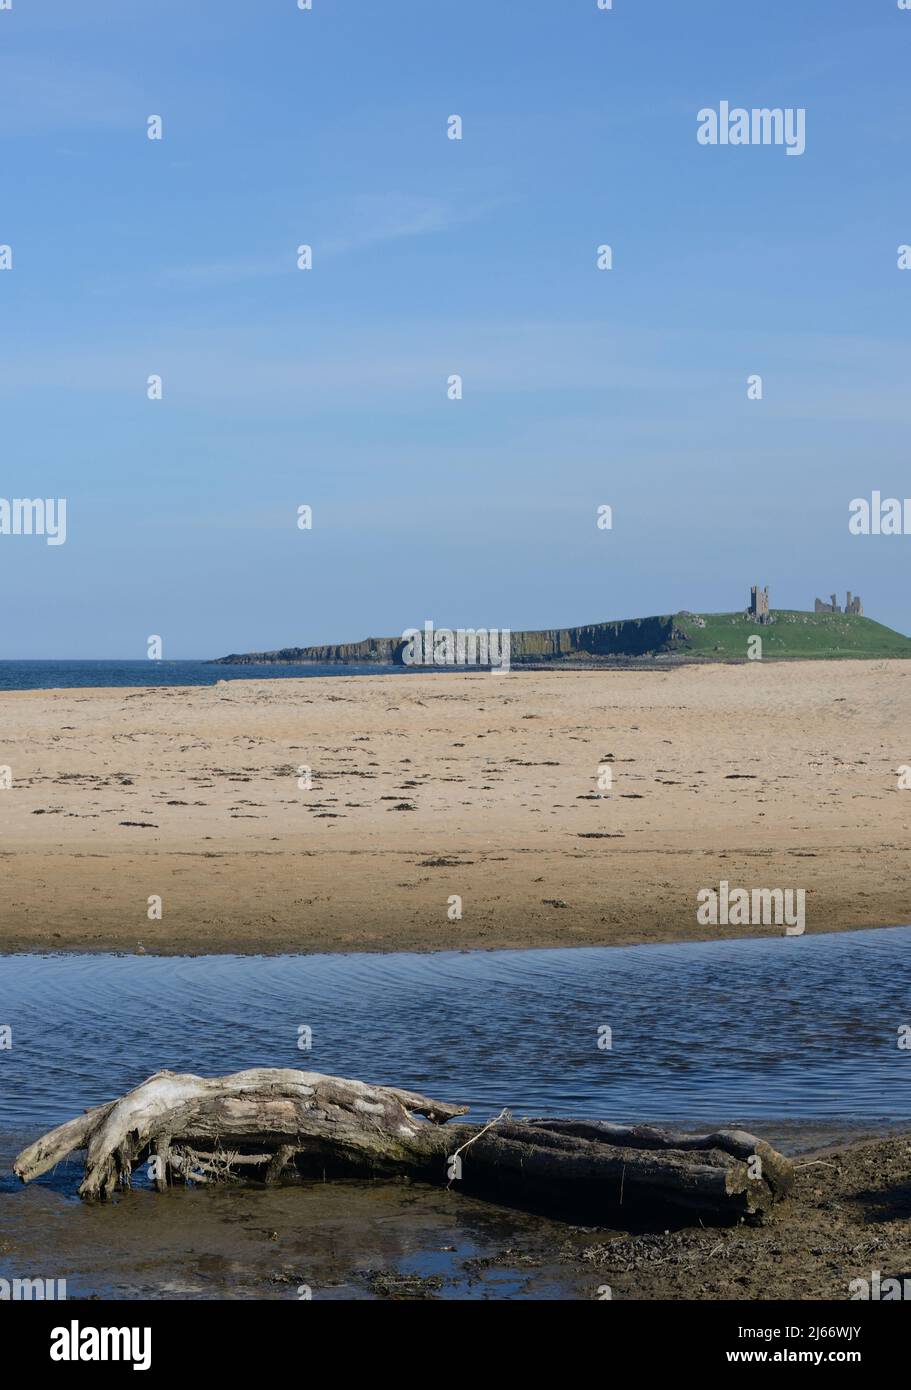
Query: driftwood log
x=270 y=1123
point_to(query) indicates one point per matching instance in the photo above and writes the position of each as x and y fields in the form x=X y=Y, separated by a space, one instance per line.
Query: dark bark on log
x=778 y=1171
x=272 y=1123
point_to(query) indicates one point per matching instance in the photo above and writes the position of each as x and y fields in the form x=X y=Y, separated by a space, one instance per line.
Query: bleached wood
x=273 y=1122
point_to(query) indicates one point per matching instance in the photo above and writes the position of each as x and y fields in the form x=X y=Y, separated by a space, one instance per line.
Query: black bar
x=283 y=1338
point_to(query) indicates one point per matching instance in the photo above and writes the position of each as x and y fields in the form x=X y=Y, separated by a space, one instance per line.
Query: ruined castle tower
x=759 y=604
x=852 y=605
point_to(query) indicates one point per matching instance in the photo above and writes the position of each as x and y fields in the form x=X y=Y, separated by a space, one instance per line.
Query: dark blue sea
x=64 y=675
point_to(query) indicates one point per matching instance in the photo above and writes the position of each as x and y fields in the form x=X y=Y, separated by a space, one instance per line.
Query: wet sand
x=471 y=785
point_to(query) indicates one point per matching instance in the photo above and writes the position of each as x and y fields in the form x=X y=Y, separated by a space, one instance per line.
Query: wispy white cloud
x=371 y=218
x=340 y=227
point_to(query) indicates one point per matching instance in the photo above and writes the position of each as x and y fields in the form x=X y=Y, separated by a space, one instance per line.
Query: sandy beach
x=425 y=788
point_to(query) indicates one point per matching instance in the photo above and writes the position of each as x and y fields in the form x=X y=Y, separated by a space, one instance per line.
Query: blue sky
x=431 y=257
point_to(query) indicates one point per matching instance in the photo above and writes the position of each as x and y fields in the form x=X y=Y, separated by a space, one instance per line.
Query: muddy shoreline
x=848 y=1217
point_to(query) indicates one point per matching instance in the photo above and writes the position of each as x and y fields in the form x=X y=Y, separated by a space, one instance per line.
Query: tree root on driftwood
x=270 y=1123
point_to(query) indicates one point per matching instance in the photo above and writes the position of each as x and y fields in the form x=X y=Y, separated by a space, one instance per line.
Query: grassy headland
x=790 y=635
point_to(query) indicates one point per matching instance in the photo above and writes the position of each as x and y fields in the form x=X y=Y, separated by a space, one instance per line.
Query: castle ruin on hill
x=852 y=605
x=759 y=611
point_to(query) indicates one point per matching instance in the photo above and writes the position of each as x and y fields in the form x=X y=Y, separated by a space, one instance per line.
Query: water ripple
x=786 y=1028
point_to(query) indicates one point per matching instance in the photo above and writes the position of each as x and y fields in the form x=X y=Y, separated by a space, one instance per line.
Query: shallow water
x=337 y=1240
x=796 y=1029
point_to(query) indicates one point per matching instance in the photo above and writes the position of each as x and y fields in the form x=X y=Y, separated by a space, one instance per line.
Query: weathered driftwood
x=273 y=1123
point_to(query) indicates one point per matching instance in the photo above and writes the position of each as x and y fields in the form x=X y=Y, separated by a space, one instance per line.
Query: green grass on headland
x=790 y=635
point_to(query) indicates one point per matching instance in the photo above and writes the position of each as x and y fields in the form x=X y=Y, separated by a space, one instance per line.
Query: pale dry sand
x=471 y=784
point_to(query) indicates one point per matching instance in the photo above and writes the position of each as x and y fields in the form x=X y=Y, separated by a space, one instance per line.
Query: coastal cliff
x=626 y=637
x=789 y=634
